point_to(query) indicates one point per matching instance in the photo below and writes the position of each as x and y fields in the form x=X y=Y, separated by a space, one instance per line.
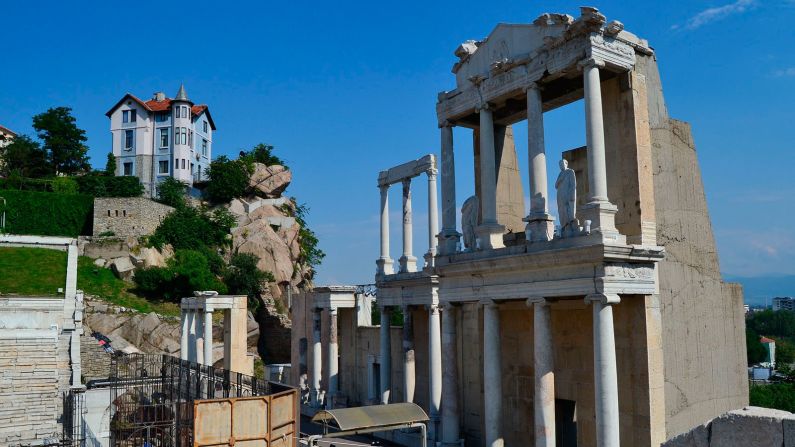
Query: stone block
x=123 y=268
x=750 y=426
x=697 y=437
x=789 y=432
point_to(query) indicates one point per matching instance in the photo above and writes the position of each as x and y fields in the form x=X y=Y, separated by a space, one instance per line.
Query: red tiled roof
x=161 y=106
x=10 y=132
x=766 y=340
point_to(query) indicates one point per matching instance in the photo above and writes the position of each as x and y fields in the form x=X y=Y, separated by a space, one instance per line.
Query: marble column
x=540 y=224
x=317 y=358
x=492 y=375
x=193 y=337
x=333 y=359
x=543 y=365
x=384 y=263
x=433 y=218
x=198 y=318
x=386 y=354
x=435 y=371
x=409 y=376
x=184 y=334
x=605 y=370
x=489 y=231
x=451 y=431
x=208 y=336
x=449 y=237
x=408 y=263
x=598 y=210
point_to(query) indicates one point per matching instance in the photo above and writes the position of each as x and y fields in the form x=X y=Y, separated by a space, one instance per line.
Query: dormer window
x=128 y=116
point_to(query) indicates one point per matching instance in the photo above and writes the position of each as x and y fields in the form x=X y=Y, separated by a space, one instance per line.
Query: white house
x=160 y=138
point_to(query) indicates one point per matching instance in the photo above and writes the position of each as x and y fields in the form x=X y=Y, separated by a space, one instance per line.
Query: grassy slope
x=40 y=271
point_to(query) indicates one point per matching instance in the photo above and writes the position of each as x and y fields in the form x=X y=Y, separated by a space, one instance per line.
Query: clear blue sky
x=345 y=89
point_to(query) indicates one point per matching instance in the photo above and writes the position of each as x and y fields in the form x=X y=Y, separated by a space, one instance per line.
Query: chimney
x=159 y=96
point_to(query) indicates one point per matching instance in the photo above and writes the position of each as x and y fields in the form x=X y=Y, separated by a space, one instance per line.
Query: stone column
x=208 y=336
x=333 y=359
x=384 y=263
x=492 y=374
x=543 y=365
x=386 y=354
x=435 y=370
x=193 y=337
x=605 y=370
x=489 y=231
x=540 y=224
x=408 y=263
x=433 y=218
x=598 y=210
x=198 y=318
x=317 y=358
x=450 y=417
x=409 y=376
x=184 y=335
x=449 y=237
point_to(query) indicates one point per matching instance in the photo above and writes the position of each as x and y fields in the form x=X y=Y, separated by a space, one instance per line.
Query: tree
x=263 y=153
x=26 y=157
x=754 y=349
x=244 y=277
x=63 y=140
x=228 y=179
x=172 y=192
x=110 y=165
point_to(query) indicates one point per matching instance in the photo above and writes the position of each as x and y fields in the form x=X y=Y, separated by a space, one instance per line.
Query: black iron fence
x=73 y=433
x=152 y=397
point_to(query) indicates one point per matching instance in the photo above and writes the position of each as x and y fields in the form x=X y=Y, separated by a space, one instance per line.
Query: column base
x=429 y=262
x=602 y=217
x=448 y=241
x=490 y=236
x=540 y=227
x=407 y=264
x=385 y=266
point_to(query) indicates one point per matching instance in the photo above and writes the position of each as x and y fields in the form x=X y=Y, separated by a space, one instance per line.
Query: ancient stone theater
x=597 y=317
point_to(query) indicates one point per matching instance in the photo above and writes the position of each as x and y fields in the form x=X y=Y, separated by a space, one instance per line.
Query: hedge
x=101 y=186
x=47 y=213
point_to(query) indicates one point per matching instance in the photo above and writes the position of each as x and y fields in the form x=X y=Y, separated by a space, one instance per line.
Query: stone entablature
x=128 y=216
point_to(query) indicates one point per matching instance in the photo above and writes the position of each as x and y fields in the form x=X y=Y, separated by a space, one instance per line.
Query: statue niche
x=469 y=220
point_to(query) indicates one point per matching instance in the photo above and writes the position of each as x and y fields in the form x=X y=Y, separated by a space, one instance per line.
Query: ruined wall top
x=514 y=56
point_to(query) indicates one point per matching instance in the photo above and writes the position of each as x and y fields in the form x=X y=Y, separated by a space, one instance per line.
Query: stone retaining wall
x=128 y=216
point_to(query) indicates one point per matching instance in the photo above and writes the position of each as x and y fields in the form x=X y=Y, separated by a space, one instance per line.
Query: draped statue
x=469 y=220
x=566 y=185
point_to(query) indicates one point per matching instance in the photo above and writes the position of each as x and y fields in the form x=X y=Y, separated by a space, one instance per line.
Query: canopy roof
x=358 y=418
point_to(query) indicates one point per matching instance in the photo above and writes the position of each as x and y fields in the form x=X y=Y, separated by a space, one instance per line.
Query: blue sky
x=345 y=89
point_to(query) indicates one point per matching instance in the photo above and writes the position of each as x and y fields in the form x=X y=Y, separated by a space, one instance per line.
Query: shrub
x=171 y=192
x=102 y=186
x=47 y=214
x=187 y=271
x=192 y=228
x=228 y=179
x=244 y=277
x=263 y=153
x=64 y=185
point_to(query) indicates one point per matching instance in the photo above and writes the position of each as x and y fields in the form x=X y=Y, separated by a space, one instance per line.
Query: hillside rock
x=270 y=181
x=123 y=267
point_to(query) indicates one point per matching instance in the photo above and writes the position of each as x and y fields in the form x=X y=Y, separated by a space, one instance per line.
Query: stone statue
x=566 y=185
x=469 y=220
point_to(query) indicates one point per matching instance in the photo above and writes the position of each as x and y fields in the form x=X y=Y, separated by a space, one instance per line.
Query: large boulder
x=152 y=257
x=123 y=268
x=749 y=426
x=260 y=239
x=269 y=181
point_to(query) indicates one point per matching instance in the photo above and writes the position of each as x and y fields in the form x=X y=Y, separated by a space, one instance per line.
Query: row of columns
x=196 y=341
x=539 y=221
x=407 y=261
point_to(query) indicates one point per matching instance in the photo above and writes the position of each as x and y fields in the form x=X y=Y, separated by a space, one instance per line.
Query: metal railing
x=74 y=409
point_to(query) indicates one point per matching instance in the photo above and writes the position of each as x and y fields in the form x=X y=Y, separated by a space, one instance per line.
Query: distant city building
x=770 y=347
x=161 y=138
x=783 y=303
x=6 y=136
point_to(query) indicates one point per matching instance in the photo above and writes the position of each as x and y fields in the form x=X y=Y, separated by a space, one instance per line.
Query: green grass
x=41 y=271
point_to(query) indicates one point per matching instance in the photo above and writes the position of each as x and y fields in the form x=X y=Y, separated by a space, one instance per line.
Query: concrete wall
x=128 y=216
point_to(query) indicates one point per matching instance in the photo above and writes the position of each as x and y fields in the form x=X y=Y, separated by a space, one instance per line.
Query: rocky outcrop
x=275 y=329
x=269 y=181
x=748 y=426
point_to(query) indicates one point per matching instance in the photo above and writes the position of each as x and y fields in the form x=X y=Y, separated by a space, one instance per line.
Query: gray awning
x=358 y=418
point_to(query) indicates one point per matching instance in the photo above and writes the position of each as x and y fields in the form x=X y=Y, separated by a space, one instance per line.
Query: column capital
x=332 y=310
x=446 y=124
x=383 y=188
x=604 y=298
x=536 y=300
x=484 y=105
x=434 y=308
x=431 y=173
x=533 y=85
x=488 y=302
x=591 y=62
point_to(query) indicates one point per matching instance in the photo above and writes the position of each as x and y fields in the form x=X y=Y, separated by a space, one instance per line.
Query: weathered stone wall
x=128 y=216
x=95 y=361
x=748 y=426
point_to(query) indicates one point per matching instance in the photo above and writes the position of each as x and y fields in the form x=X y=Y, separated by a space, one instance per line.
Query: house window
x=128 y=139
x=185 y=112
x=125 y=116
x=184 y=132
x=128 y=168
x=183 y=163
x=164 y=137
x=176 y=135
x=161 y=117
x=190 y=139
x=162 y=167
x=204 y=126
x=204 y=147
x=133 y=116
x=177 y=111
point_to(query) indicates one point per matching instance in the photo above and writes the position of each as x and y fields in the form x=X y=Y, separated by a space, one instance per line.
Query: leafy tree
x=110 y=165
x=263 y=153
x=63 y=140
x=755 y=351
x=228 y=179
x=187 y=271
x=26 y=157
x=172 y=192
x=64 y=185
x=780 y=396
x=192 y=228
x=243 y=277
x=310 y=254
x=785 y=352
